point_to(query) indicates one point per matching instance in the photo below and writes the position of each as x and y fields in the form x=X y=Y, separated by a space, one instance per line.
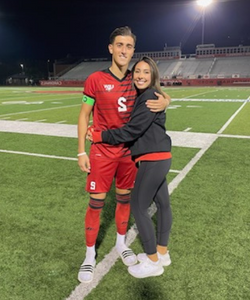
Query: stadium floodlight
x=203 y=4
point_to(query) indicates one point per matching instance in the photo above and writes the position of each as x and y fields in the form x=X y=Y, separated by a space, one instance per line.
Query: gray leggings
x=151 y=185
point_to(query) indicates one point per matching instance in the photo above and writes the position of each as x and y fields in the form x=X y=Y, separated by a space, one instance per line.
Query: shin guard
x=122 y=212
x=92 y=221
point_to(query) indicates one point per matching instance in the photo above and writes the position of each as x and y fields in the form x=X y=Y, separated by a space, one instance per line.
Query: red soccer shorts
x=104 y=170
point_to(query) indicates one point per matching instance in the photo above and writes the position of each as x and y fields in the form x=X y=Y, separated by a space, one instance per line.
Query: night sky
x=52 y=29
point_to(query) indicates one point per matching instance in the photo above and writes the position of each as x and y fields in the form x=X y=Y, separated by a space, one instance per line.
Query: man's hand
x=160 y=104
x=83 y=163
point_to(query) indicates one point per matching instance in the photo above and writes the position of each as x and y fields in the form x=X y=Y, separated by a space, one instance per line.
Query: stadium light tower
x=203 y=4
x=22 y=66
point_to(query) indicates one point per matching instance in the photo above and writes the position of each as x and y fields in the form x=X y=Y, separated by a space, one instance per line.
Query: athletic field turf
x=43 y=201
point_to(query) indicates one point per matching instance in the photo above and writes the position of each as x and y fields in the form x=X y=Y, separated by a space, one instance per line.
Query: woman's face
x=142 y=75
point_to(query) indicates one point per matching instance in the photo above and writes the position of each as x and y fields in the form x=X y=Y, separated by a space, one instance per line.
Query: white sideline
x=62 y=130
x=180 y=139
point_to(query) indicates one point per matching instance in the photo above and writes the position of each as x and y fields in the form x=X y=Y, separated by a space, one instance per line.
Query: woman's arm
x=141 y=119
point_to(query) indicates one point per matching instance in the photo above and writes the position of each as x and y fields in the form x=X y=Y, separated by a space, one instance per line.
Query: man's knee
x=100 y=196
x=122 y=191
x=96 y=203
x=123 y=198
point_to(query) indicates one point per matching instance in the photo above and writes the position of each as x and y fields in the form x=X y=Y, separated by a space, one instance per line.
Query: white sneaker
x=147 y=268
x=86 y=272
x=165 y=258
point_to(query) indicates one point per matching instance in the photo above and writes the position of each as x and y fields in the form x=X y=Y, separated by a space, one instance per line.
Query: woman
x=150 y=148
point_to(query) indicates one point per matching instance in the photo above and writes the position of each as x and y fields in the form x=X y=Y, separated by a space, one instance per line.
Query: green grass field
x=43 y=201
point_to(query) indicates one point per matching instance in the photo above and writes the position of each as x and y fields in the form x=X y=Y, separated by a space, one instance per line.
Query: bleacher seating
x=84 y=69
x=183 y=68
x=227 y=66
x=205 y=64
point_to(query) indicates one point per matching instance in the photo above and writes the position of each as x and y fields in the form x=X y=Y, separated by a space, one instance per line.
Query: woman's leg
x=150 y=176
x=164 y=218
x=164 y=214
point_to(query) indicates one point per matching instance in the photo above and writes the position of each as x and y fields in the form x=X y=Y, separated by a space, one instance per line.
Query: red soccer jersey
x=114 y=101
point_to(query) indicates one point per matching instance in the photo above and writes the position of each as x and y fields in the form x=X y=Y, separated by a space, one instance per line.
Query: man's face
x=122 y=50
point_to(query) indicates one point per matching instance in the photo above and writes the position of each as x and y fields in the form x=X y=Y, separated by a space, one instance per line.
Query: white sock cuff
x=90 y=249
x=120 y=239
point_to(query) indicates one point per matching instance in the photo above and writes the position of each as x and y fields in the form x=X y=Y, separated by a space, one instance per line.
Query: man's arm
x=159 y=105
x=83 y=122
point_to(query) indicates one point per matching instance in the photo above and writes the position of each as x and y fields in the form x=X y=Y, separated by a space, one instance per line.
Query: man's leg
x=122 y=212
x=99 y=181
x=122 y=215
x=92 y=225
x=125 y=177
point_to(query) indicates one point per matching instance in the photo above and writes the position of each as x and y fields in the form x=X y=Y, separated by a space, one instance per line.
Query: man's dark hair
x=125 y=31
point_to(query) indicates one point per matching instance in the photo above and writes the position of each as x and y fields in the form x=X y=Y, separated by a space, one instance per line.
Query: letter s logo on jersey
x=92 y=185
x=122 y=105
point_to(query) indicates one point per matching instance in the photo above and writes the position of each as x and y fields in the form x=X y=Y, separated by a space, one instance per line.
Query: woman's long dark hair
x=155 y=76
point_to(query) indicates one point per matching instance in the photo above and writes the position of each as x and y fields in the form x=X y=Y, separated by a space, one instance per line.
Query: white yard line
x=37 y=96
x=17 y=98
x=54 y=157
x=232 y=117
x=174 y=171
x=23 y=119
x=61 y=122
x=207 y=100
x=235 y=136
x=38 y=155
x=42 y=109
x=42 y=120
x=208 y=92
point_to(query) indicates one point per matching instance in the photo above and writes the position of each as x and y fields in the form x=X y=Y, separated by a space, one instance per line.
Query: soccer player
x=110 y=96
x=150 y=148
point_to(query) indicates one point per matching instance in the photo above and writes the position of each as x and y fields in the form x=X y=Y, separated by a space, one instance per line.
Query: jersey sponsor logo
x=108 y=87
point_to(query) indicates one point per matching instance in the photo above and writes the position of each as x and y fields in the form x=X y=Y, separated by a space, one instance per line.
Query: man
x=110 y=95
